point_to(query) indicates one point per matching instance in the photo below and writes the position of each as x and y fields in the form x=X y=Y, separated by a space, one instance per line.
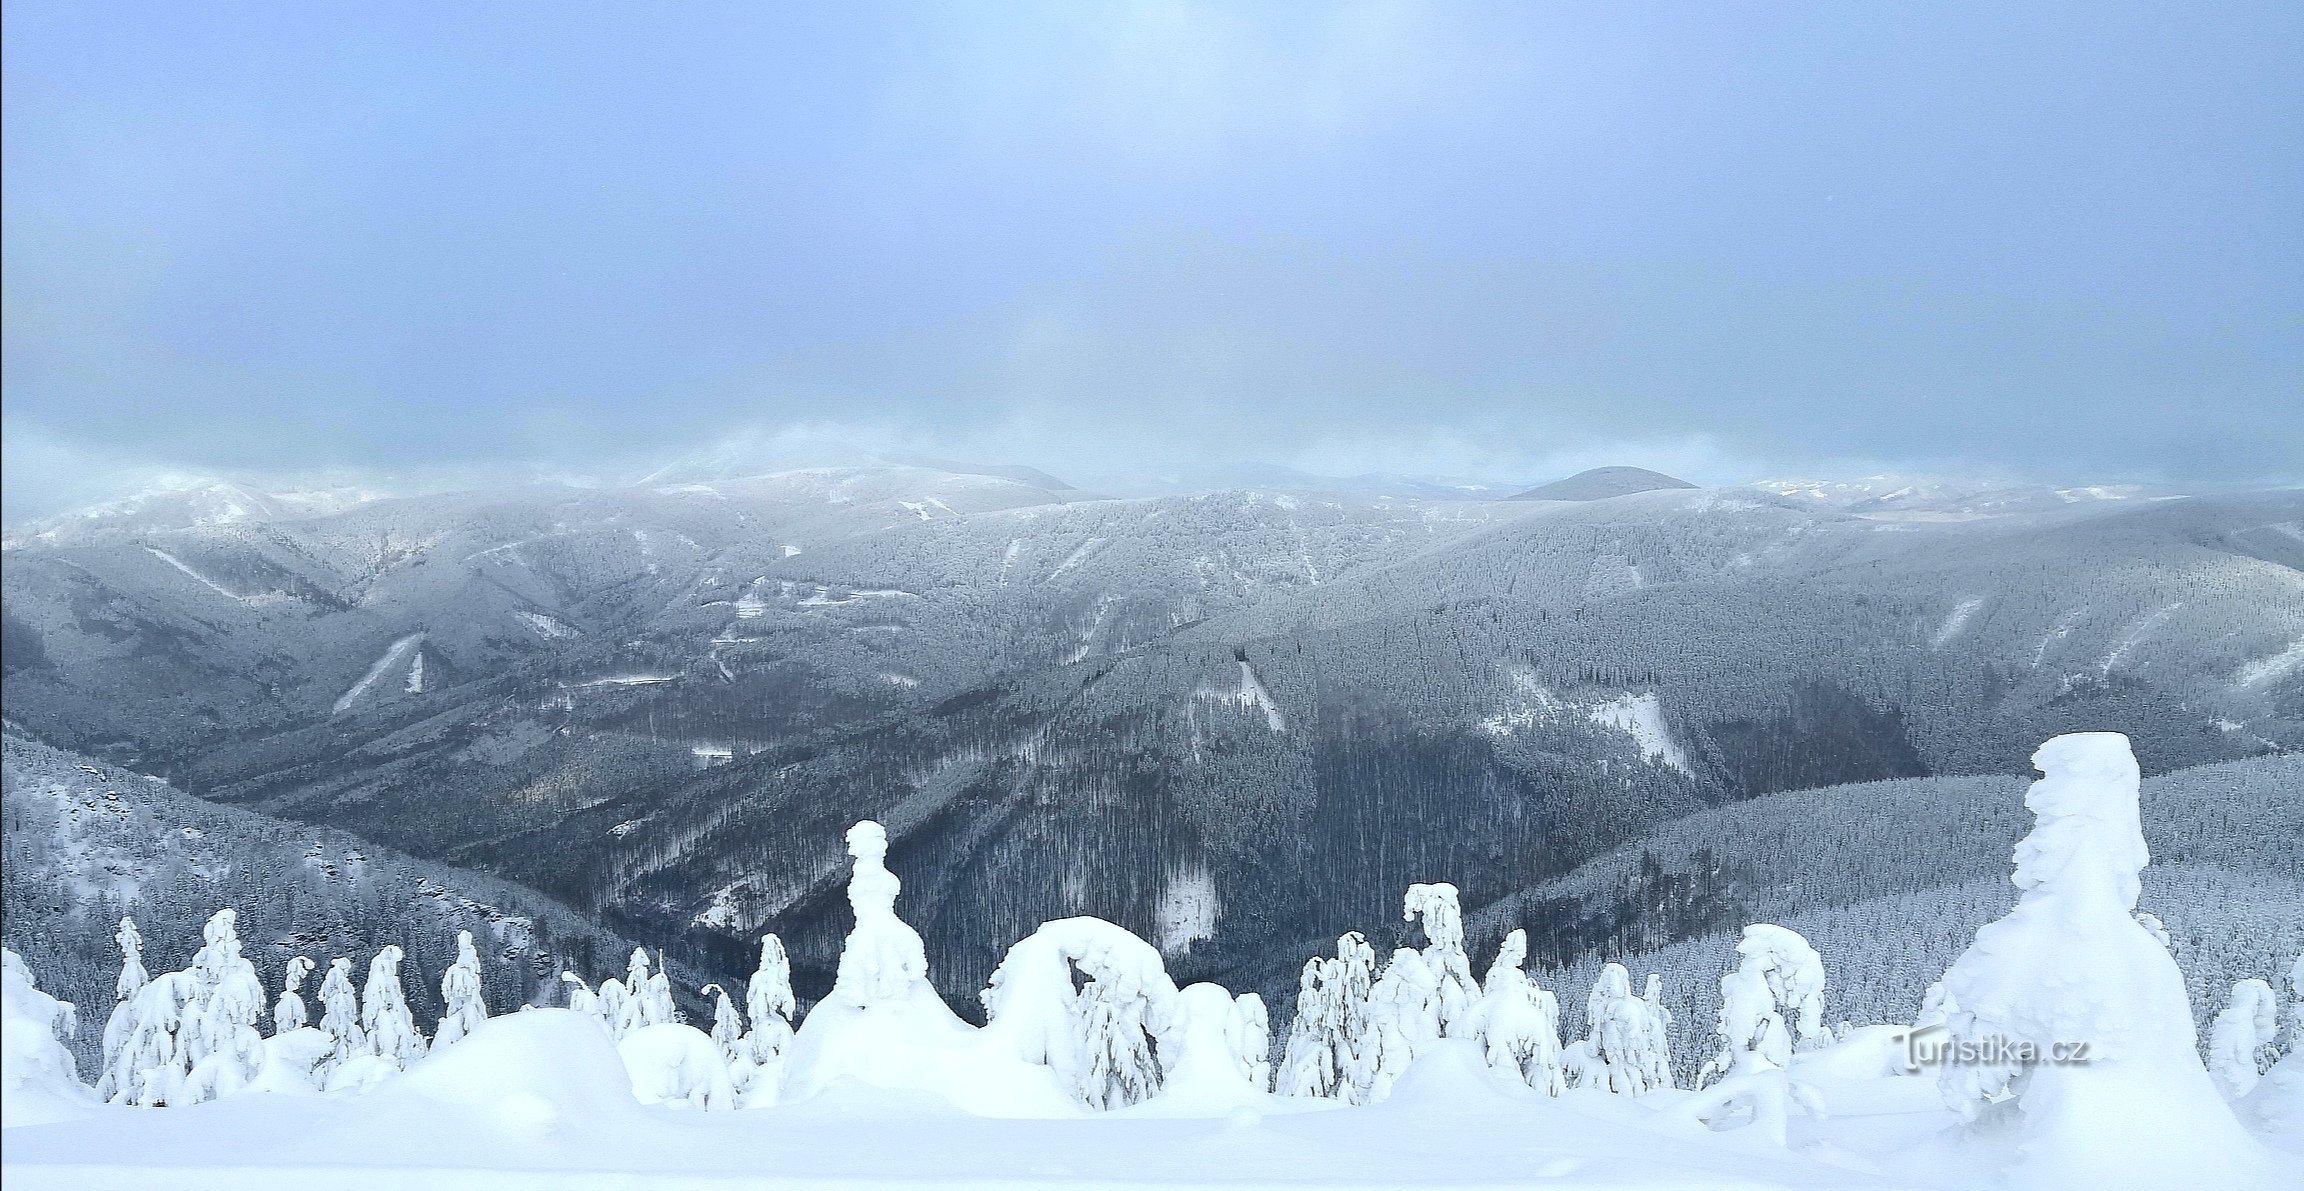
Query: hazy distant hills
x=1601 y=483
x=1230 y=720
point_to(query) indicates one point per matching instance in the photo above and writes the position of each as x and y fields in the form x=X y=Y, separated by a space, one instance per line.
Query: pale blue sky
x=2063 y=239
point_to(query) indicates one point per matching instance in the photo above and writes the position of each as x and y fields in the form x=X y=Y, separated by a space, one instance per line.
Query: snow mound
x=528 y=1074
x=39 y=1082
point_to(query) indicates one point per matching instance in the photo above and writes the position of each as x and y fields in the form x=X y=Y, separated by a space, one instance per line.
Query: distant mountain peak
x=1600 y=483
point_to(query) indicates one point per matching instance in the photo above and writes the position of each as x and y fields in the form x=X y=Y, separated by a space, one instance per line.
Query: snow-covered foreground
x=2057 y=1053
x=536 y=1099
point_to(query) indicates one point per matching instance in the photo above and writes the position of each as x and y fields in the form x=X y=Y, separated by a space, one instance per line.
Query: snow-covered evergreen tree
x=1099 y=1035
x=221 y=1050
x=121 y=1025
x=1773 y=999
x=463 y=1004
x=1436 y=906
x=1308 y=1063
x=1775 y=995
x=340 y=1011
x=758 y=1062
x=2241 y=1039
x=1251 y=1039
x=1332 y=1050
x=1518 y=1024
x=2070 y=966
x=384 y=1015
x=288 y=1013
x=769 y=1004
x=1403 y=1022
x=1625 y=1050
x=727 y=1025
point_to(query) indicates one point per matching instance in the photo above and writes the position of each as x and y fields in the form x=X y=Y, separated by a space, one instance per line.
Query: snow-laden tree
x=1403 y=1021
x=1625 y=1048
x=1517 y=1023
x=121 y=1025
x=769 y=1004
x=340 y=1011
x=758 y=1064
x=1332 y=1051
x=2296 y=1007
x=463 y=1004
x=2069 y=967
x=1213 y=1058
x=38 y=1079
x=614 y=1004
x=1775 y=994
x=1251 y=1039
x=2241 y=1039
x=1100 y=1034
x=288 y=1012
x=384 y=1015
x=1436 y=906
x=644 y=999
x=1657 y=1033
x=884 y=1024
x=727 y=1024
x=221 y=1049
x=155 y=1032
x=581 y=998
x=671 y=1063
x=1936 y=1007
x=1774 y=998
x=1309 y=1060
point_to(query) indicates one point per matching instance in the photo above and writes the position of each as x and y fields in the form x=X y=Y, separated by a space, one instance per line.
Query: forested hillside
x=1230 y=721
x=87 y=843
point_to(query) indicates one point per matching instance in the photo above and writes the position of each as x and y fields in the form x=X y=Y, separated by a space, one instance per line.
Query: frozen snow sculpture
x=288 y=1013
x=384 y=1015
x=670 y=1063
x=38 y=1080
x=883 y=1024
x=1517 y=1023
x=1099 y=1039
x=1444 y=957
x=2072 y=1032
x=462 y=1002
x=122 y=1023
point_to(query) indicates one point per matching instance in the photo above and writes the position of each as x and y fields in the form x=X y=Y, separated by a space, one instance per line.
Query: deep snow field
x=531 y=1101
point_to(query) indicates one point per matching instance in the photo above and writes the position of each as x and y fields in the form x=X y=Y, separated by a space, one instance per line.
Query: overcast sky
x=2055 y=239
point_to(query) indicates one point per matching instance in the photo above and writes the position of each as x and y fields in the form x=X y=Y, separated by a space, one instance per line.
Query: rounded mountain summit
x=1600 y=483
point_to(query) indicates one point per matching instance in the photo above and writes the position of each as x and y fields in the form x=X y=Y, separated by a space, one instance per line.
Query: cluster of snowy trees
x=1082 y=1014
x=186 y=1037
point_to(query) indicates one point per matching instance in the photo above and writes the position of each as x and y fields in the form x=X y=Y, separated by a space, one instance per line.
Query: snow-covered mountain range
x=1236 y=722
